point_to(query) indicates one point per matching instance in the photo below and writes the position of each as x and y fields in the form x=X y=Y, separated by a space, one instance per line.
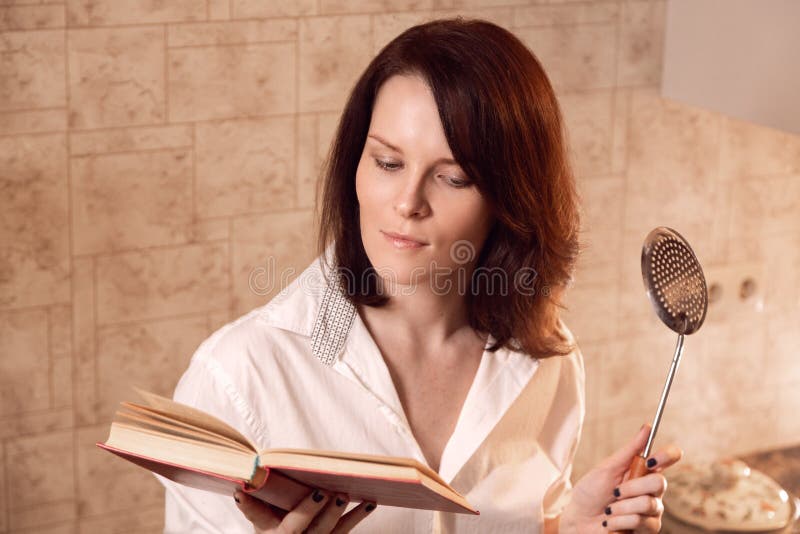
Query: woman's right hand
x=319 y=512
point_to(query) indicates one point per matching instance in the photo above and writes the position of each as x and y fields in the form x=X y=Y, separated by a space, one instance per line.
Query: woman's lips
x=402 y=241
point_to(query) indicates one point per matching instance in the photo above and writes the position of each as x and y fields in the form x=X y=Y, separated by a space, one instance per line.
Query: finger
x=637 y=523
x=326 y=520
x=256 y=511
x=665 y=457
x=653 y=484
x=646 y=505
x=298 y=519
x=354 y=517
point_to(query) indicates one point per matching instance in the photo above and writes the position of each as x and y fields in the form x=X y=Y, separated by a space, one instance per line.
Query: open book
x=193 y=448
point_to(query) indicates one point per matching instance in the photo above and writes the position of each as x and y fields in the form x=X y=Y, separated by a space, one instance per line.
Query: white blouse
x=303 y=371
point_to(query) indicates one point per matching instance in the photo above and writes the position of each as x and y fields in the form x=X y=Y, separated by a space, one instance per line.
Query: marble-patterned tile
x=45 y=517
x=35 y=459
x=387 y=26
x=314 y=137
x=340 y=7
x=131 y=200
x=566 y=14
x=591 y=311
x=470 y=4
x=33 y=70
x=146 y=520
x=232 y=32
x=235 y=81
x=619 y=141
x=84 y=318
x=111 y=12
x=244 y=9
x=24 y=384
x=601 y=230
x=334 y=51
x=781 y=363
x=501 y=15
x=3 y=501
x=765 y=206
x=33 y=121
x=748 y=430
x=641 y=42
x=749 y=149
x=589 y=119
x=103 y=477
x=149 y=355
x=575 y=57
x=68 y=527
x=163 y=282
x=269 y=251
x=786 y=413
x=26 y=424
x=60 y=343
x=130 y=139
x=31 y=17
x=219 y=9
x=245 y=166
x=34 y=231
x=116 y=77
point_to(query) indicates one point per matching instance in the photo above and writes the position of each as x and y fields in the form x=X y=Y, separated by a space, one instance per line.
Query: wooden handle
x=637 y=469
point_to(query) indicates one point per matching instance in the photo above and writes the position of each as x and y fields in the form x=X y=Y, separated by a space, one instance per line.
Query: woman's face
x=408 y=184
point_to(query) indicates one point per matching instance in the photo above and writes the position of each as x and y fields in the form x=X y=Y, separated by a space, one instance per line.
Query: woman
x=429 y=325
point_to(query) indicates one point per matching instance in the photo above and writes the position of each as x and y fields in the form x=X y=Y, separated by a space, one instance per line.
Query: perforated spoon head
x=674 y=280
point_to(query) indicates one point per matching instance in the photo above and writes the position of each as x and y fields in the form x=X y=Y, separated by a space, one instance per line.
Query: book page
x=192 y=416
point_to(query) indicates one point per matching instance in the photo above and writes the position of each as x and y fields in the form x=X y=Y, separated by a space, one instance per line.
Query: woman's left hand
x=597 y=508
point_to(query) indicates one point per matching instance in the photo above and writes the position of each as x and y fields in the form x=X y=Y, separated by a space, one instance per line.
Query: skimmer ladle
x=677 y=290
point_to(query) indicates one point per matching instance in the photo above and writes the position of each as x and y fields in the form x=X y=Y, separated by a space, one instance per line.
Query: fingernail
x=317 y=496
x=608 y=510
x=651 y=462
x=605 y=523
x=370 y=507
x=340 y=501
x=616 y=492
x=236 y=496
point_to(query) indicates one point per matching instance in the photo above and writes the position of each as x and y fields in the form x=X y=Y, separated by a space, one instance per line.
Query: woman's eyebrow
x=448 y=161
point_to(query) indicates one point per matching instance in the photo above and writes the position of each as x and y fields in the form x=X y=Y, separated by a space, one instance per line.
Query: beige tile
x=231 y=81
x=594 y=356
x=25 y=367
x=69 y=527
x=243 y=9
x=32 y=70
x=33 y=121
x=116 y=77
x=217 y=319
x=601 y=233
x=150 y=355
x=641 y=42
x=336 y=7
x=162 y=282
x=333 y=53
x=748 y=149
x=386 y=27
x=44 y=517
x=130 y=139
x=500 y=15
x=591 y=311
x=589 y=121
x=148 y=520
x=31 y=17
x=575 y=57
x=102 y=478
x=219 y=9
x=26 y=424
x=765 y=206
x=3 y=501
x=107 y=12
x=269 y=251
x=619 y=142
x=233 y=32
x=566 y=14
x=60 y=342
x=35 y=460
x=83 y=328
x=781 y=364
x=245 y=166
x=786 y=413
x=746 y=431
x=125 y=201
x=34 y=257
x=314 y=137
x=485 y=3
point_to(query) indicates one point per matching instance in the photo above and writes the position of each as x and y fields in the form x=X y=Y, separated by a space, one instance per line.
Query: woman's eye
x=387 y=165
x=456 y=182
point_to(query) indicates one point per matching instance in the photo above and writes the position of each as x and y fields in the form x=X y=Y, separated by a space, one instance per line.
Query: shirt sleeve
x=204 y=385
x=559 y=493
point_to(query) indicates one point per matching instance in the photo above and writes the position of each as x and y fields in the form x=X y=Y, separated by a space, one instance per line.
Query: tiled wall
x=153 y=154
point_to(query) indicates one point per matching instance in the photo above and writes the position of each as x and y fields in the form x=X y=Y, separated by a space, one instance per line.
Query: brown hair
x=504 y=127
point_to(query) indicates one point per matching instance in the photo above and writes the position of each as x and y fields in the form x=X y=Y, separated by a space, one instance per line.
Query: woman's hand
x=319 y=512
x=604 y=500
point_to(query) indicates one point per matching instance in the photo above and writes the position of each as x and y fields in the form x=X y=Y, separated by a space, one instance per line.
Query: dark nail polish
x=339 y=501
x=605 y=523
x=616 y=492
x=370 y=507
x=317 y=496
x=651 y=462
x=608 y=510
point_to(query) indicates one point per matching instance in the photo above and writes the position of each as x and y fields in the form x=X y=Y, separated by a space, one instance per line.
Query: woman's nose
x=411 y=200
